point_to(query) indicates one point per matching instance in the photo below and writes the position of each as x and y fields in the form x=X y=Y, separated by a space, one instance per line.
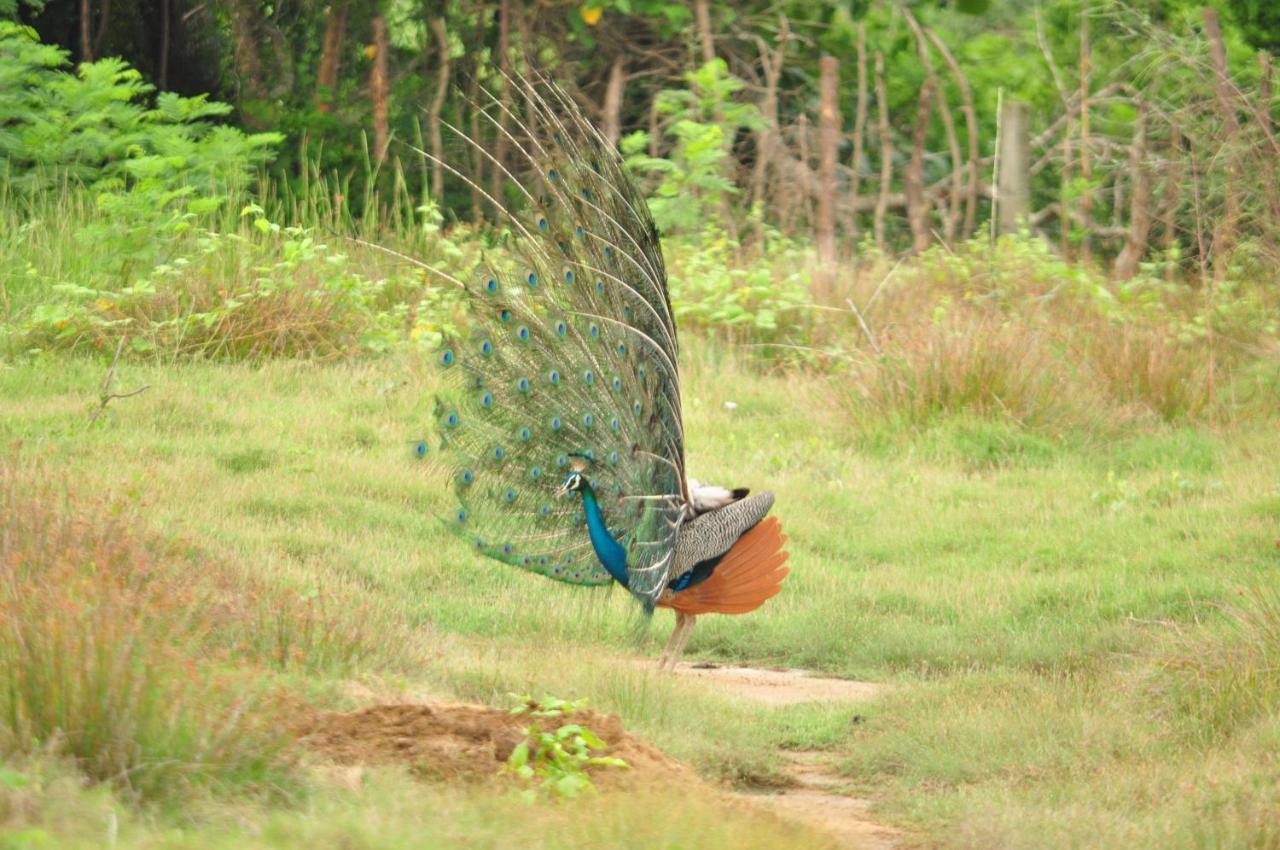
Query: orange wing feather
x=751 y=572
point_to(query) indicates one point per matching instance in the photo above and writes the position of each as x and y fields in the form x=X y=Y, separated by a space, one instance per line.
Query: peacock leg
x=671 y=641
x=684 y=638
x=684 y=629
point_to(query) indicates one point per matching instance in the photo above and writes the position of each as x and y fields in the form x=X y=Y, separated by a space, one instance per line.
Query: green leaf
x=519 y=756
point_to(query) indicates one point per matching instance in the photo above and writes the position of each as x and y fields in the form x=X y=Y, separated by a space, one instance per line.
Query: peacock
x=560 y=422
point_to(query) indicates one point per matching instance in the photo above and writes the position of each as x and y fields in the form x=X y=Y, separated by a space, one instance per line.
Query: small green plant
x=556 y=761
x=694 y=181
x=1116 y=494
x=1171 y=488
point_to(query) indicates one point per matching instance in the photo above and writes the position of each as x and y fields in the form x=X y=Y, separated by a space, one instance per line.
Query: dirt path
x=778 y=687
x=820 y=797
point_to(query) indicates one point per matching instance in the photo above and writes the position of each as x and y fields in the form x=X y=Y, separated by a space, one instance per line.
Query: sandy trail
x=819 y=797
x=778 y=687
x=819 y=801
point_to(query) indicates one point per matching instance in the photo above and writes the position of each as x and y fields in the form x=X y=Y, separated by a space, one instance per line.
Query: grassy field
x=1081 y=633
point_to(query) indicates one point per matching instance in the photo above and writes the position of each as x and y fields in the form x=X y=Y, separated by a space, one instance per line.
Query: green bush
x=153 y=171
x=693 y=182
x=94 y=126
x=261 y=291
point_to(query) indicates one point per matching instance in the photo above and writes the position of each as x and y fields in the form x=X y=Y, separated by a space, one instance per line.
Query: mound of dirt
x=467 y=742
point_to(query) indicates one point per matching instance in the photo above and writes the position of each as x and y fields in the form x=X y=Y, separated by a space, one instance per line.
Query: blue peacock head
x=573 y=483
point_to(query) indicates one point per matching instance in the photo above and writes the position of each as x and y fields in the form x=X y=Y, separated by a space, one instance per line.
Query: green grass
x=1077 y=631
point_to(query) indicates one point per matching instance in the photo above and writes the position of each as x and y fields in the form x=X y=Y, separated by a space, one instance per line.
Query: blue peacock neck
x=608 y=550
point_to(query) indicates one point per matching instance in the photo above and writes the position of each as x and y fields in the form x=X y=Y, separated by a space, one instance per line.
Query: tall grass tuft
x=100 y=652
x=976 y=364
x=1012 y=332
x=1225 y=680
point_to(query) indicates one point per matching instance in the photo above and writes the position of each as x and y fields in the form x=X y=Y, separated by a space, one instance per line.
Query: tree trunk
x=1135 y=242
x=952 y=217
x=1064 y=184
x=913 y=178
x=437 y=104
x=250 y=79
x=611 y=109
x=505 y=10
x=886 y=153
x=478 y=162
x=379 y=89
x=859 y=130
x=1172 y=195
x=702 y=14
x=767 y=136
x=162 y=75
x=828 y=149
x=1267 y=121
x=335 y=29
x=1224 y=230
x=796 y=186
x=1014 y=183
x=104 y=20
x=1265 y=66
x=86 y=42
x=653 y=127
x=1086 y=162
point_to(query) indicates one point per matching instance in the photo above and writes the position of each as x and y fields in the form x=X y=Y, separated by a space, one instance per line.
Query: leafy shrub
x=94 y=127
x=265 y=291
x=153 y=171
x=693 y=184
x=760 y=300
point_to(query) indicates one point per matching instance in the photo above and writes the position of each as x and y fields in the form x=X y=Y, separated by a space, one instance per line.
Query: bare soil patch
x=818 y=801
x=778 y=687
x=467 y=742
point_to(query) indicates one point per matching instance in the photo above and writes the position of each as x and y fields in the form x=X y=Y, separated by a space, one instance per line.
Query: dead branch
x=952 y=219
x=913 y=177
x=971 y=129
x=886 y=152
x=859 y=125
x=105 y=395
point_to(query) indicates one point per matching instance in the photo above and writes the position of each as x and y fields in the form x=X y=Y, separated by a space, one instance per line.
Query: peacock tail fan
x=570 y=357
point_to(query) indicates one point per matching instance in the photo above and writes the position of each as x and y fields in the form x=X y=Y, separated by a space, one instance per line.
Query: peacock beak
x=562 y=491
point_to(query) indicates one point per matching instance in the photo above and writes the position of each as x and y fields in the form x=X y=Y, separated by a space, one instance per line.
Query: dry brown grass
x=101 y=647
x=1011 y=332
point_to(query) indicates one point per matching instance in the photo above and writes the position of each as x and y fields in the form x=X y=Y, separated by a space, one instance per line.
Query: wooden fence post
x=828 y=148
x=1014 y=186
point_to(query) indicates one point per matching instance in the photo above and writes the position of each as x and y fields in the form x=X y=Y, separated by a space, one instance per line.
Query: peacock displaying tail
x=562 y=418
